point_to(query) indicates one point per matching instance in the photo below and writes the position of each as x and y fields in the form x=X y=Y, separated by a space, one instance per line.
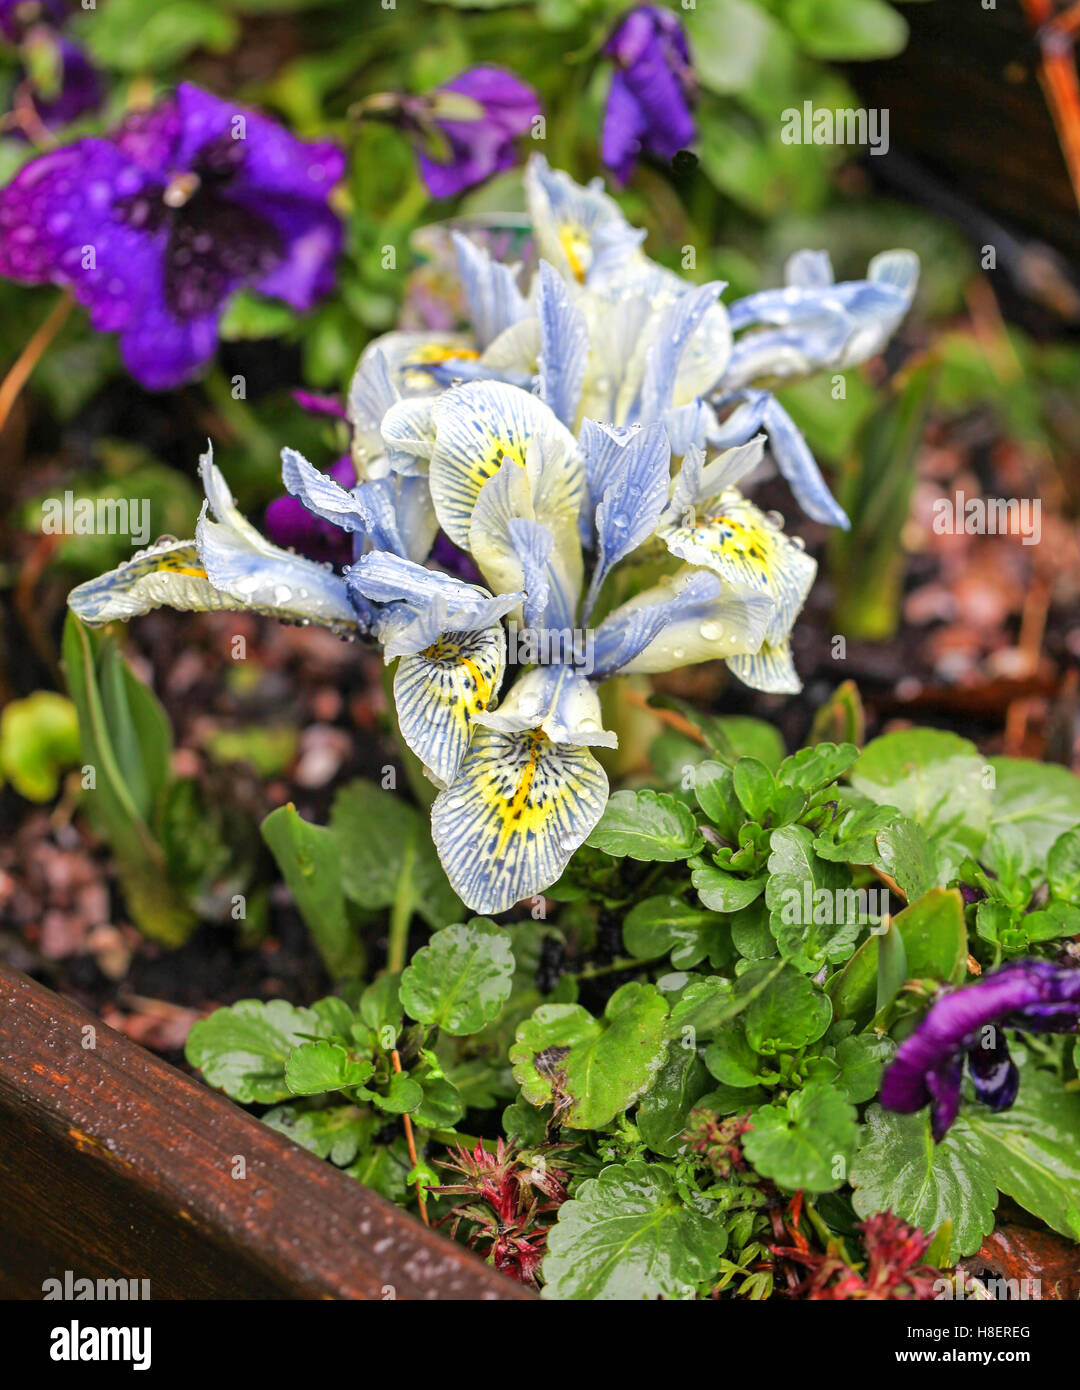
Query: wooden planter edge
x=116 y=1165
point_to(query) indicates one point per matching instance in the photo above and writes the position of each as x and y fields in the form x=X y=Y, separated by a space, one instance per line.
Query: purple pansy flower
x=464 y=130
x=929 y=1067
x=648 y=107
x=74 y=87
x=154 y=228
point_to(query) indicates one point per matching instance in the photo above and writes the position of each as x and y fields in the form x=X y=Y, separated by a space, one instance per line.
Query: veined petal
x=674 y=332
x=422 y=604
x=771 y=669
x=736 y=540
x=494 y=300
x=437 y=692
x=635 y=493
x=564 y=345
x=321 y=495
x=697 y=481
x=480 y=424
x=166 y=575
x=408 y=432
x=260 y=576
x=797 y=464
x=557 y=701
x=507 y=825
x=690 y=617
x=567 y=218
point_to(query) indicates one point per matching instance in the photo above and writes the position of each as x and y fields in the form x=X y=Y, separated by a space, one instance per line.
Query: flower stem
x=411 y=1141
x=31 y=355
x=401 y=913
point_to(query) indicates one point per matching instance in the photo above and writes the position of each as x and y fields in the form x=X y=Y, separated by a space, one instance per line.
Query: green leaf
x=309 y=858
x=658 y=925
x=935 y=945
x=646 y=825
x=1064 y=866
x=907 y=856
x=460 y=980
x=714 y=788
x=841 y=718
x=592 y=1069
x=1040 y=799
x=243 y=1049
x=627 y=1235
x=787 y=1013
x=810 y=769
x=39 y=739
x=861 y=1060
x=936 y=778
x=806 y=1143
x=724 y=892
x=127 y=742
x=841 y=30
x=338 y=1133
x=404 y=1095
x=813 y=910
x=315 y=1067
x=1032 y=1150
x=386 y=849
x=755 y=787
x=680 y=1083
x=731 y=1059
x=899 y=1168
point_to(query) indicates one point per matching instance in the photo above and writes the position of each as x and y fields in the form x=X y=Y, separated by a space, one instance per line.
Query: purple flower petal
x=80 y=89
x=1031 y=994
x=157 y=227
x=485 y=146
x=649 y=103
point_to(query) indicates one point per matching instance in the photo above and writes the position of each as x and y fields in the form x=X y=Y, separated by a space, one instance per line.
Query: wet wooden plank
x=115 y=1164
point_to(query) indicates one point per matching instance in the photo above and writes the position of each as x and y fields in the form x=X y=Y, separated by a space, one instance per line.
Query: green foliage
x=743 y=1055
x=39 y=740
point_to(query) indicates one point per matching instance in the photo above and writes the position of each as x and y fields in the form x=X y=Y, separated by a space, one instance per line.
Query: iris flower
x=970 y=1024
x=154 y=228
x=561 y=444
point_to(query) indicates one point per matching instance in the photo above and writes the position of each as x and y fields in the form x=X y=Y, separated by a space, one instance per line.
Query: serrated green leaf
x=403 y=1096
x=898 y=1168
x=651 y=826
x=592 y=1069
x=724 y=892
x=861 y=1060
x=665 y=923
x=812 y=768
x=460 y=980
x=627 y=1235
x=1032 y=1150
x=1040 y=799
x=243 y=1049
x=806 y=1143
x=936 y=778
x=338 y=1132
x=787 y=1013
x=315 y=1067
x=814 y=912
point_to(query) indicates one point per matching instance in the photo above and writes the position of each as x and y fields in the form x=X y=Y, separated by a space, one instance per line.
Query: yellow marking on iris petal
x=575 y=245
x=443 y=352
x=516 y=807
